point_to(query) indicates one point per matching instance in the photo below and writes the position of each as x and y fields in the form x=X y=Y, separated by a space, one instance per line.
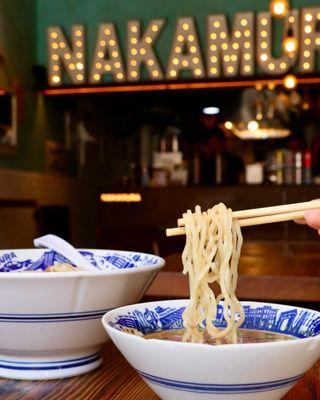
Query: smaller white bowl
x=50 y=323
x=190 y=371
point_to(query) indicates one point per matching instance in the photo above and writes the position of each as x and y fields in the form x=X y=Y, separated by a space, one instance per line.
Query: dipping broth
x=244 y=336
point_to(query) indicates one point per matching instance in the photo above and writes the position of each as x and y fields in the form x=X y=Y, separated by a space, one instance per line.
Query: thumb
x=312 y=218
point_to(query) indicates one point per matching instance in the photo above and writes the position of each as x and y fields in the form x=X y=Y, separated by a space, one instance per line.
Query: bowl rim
x=90 y=274
x=110 y=329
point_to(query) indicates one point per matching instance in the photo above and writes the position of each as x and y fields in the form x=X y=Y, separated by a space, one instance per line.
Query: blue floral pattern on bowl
x=297 y=322
x=12 y=261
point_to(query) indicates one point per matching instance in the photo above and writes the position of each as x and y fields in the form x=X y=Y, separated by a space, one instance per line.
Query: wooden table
x=117 y=380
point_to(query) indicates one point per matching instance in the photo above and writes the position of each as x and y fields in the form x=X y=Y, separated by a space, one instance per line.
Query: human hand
x=312 y=219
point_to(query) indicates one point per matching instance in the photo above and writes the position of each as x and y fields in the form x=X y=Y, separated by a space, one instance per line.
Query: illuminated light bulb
x=150 y=62
x=185 y=63
x=234 y=57
x=223 y=35
x=244 y=22
x=55 y=79
x=308 y=29
x=154 y=28
x=148 y=39
x=271 y=86
x=78 y=55
x=317 y=41
x=112 y=42
x=228 y=125
x=119 y=75
x=114 y=54
x=247 y=68
x=62 y=45
x=247 y=56
x=98 y=65
x=283 y=65
x=307 y=42
x=264 y=21
x=253 y=126
x=142 y=51
x=55 y=57
x=193 y=49
x=291 y=19
x=134 y=74
x=271 y=66
x=226 y=58
x=290 y=46
x=224 y=46
x=180 y=38
x=307 y=53
x=100 y=54
x=79 y=77
x=306 y=65
x=134 y=40
x=155 y=73
x=308 y=17
x=79 y=66
x=96 y=77
x=318 y=15
x=237 y=34
x=264 y=57
x=175 y=61
x=67 y=56
x=55 y=67
x=247 y=45
x=177 y=49
x=247 y=33
x=216 y=24
x=264 y=45
x=107 y=31
x=54 y=35
x=230 y=70
x=72 y=66
x=195 y=60
x=263 y=34
x=173 y=73
x=279 y=8
x=213 y=36
x=107 y=67
x=235 y=46
x=191 y=38
x=54 y=45
x=213 y=59
x=185 y=26
x=259 y=87
x=211 y=110
x=290 y=81
x=117 y=64
x=197 y=71
x=134 y=51
x=213 y=47
x=133 y=63
x=134 y=29
x=213 y=70
x=78 y=32
x=78 y=43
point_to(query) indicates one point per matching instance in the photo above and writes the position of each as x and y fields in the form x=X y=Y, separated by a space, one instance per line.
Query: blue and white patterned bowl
x=187 y=371
x=50 y=323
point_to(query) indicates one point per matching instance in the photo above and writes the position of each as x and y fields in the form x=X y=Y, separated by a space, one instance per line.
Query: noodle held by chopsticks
x=211 y=254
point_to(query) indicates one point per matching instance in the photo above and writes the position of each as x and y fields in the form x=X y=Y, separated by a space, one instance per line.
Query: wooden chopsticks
x=259 y=216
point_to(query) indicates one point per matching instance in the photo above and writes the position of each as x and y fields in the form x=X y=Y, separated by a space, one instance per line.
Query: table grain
x=115 y=379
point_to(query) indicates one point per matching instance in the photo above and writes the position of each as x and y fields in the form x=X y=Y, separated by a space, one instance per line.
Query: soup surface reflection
x=244 y=336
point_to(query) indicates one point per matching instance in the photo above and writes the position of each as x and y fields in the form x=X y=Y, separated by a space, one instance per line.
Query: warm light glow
x=247 y=45
x=185 y=26
x=133 y=63
x=150 y=62
x=114 y=54
x=98 y=65
x=308 y=17
x=134 y=40
x=191 y=38
x=154 y=28
x=235 y=46
x=78 y=55
x=96 y=77
x=177 y=49
x=264 y=45
x=67 y=56
x=230 y=70
x=148 y=40
x=79 y=43
x=54 y=35
x=213 y=70
x=180 y=38
x=216 y=24
x=290 y=46
x=264 y=57
x=107 y=31
x=307 y=53
x=290 y=81
x=271 y=66
x=175 y=61
x=78 y=33
x=117 y=64
x=134 y=74
x=79 y=66
x=306 y=65
x=247 y=68
x=308 y=29
x=279 y=8
x=244 y=22
x=223 y=35
x=79 y=77
x=56 y=57
x=195 y=60
x=193 y=49
x=237 y=34
x=155 y=73
x=197 y=71
x=307 y=41
x=173 y=73
x=185 y=63
x=264 y=21
x=121 y=197
x=228 y=125
x=211 y=110
x=55 y=68
x=112 y=42
x=119 y=75
x=55 y=79
x=283 y=65
x=134 y=29
x=142 y=51
x=253 y=126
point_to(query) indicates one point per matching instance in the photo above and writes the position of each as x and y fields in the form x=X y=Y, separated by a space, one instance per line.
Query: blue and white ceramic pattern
x=187 y=371
x=50 y=323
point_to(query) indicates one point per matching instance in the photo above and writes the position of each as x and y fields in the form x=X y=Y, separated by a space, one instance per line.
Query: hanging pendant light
x=279 y=8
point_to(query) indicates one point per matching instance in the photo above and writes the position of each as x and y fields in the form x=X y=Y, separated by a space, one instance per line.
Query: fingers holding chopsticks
x=312 y=219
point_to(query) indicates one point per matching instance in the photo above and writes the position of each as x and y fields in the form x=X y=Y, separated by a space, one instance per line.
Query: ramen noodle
x=211 y=255
x=62 y=267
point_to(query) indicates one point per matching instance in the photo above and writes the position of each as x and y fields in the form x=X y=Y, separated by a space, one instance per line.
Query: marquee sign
x=228 y=51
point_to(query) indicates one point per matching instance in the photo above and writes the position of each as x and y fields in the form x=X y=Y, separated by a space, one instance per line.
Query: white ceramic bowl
x=50 y=323
x=187 y=371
